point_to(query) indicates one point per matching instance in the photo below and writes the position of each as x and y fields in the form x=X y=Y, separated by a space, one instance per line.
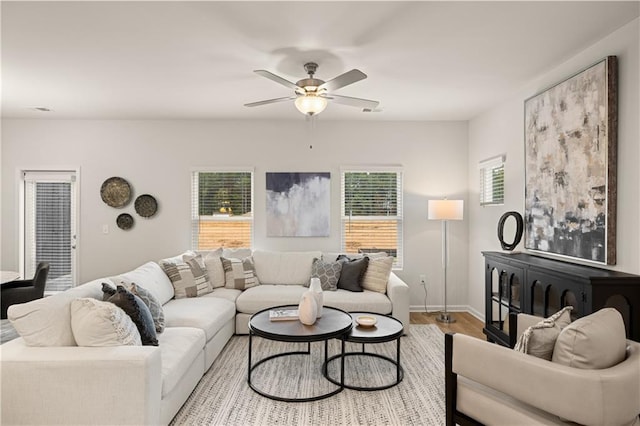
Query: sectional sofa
x=48 y=379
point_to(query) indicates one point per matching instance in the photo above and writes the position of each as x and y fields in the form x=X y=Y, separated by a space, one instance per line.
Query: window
x=492 y=181
x=48 y=226
x=371 y=210
x=222 y=209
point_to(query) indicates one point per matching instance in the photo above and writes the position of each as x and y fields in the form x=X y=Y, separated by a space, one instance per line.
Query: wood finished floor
x=465 y=323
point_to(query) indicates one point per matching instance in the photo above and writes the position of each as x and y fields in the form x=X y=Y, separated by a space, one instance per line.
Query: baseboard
x=450 y=308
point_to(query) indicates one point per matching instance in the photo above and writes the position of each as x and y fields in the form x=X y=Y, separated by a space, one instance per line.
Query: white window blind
x=222 y=209
x=492 y=181
x=49 y=227
x=371 y=210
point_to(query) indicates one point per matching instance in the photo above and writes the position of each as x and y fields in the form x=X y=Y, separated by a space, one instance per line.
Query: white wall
x=501 y=130
x=156 y=157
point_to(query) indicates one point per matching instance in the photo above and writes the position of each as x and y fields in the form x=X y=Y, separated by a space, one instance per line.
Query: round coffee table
x=386 y=329
x=334 y=324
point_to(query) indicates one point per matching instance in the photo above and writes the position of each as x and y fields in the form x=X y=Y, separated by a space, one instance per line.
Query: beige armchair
x=493 y=385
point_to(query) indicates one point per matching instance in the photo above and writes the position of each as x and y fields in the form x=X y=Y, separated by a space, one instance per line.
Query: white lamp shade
x=310 y=104
x=445 y=209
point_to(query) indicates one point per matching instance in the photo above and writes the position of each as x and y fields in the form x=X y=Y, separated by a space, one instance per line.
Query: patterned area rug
x=7 y=332
x=223 y=397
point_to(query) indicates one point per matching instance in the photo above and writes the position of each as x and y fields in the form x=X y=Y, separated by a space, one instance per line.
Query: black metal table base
x=396 y=362
x=340 y=384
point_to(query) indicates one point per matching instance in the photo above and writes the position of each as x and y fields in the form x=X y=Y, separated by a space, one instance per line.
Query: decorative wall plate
x=124 y=221
x=115 y=192
x=146 y=205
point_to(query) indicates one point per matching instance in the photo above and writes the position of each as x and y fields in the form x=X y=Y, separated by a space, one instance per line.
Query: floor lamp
x=445 y=210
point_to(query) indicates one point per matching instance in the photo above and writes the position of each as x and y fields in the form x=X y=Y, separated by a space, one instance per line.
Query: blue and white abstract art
x=298 y=204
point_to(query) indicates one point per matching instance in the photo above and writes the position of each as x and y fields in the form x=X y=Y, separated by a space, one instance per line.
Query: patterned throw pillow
x=139 y=313
x=239 y=274
x=540 y=339
x=149 y=299
x=95 y=323
x=189 y=277
x=376 y=276
x=327 y=272
x=352 y=273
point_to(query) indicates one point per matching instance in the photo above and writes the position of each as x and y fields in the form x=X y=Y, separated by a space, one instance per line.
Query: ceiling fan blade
x=270 y=101
x=277 y=79
x=355 y=102
x=342 y=80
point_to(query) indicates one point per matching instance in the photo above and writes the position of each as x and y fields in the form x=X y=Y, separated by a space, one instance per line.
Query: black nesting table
x=386 y=329
x=334 y=324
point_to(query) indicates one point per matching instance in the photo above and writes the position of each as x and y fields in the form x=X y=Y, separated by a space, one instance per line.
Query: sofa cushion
x=352 y=273
x=47 y=321
x=214 y=267
x=230 y=294
x=237 y=253
x=327 y=272
x=139 y=313
x=240 y=274
x=592 y=342
x=96 y=323
x=284 y=267
x=266 y=296
x=189 y=277
x=540 y=339
x=367 y=301
x=207 y=313
x=179 y=348
x=152 y=278
x=376 y=276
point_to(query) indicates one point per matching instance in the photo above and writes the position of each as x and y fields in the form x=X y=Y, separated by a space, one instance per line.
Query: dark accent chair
x=22 y=291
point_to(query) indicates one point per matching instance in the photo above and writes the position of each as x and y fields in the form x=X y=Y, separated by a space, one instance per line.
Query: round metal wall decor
x=115 y=192
x=124 y=221
x=146 y=205
x=519 y=230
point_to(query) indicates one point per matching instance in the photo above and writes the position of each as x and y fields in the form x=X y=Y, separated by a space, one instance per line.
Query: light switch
x=105 y=229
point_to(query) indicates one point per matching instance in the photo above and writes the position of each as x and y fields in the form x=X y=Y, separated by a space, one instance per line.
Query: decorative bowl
x=366 y=321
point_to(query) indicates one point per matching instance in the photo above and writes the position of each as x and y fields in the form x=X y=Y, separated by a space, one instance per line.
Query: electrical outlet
x=423 y=279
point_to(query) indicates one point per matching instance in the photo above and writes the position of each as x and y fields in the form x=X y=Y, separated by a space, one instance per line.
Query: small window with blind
x=492 y=181
x=371 y=210
x=222 y=209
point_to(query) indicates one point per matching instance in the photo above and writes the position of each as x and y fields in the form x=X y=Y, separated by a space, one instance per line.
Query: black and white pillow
x=240 y=274
x=327 y=272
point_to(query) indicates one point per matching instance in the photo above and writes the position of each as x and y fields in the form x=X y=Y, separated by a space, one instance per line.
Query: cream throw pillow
x=540 y=339
x=376 y=276
x=96 y=323
x=213 y=263
x=592 y=342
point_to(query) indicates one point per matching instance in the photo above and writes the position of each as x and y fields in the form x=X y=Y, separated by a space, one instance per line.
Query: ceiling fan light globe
x=310 y=104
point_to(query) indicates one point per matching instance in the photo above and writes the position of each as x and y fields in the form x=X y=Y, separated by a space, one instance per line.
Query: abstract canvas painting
x=570 y=166
x=298 y=204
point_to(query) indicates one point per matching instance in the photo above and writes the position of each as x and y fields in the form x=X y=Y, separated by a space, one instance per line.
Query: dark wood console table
x=535 y=285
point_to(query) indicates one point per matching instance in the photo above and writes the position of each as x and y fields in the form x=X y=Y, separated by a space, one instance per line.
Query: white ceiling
x=194 y=60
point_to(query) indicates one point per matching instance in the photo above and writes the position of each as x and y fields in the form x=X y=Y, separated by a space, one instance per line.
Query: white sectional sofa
x=47 y=379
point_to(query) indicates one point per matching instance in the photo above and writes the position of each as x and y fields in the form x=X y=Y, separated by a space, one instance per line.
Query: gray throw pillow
x=327 y=272
x=352 y=273
x=139 y=313
x=152 y=303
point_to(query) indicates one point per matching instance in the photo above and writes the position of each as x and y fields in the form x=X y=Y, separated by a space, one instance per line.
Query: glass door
x=49 y=226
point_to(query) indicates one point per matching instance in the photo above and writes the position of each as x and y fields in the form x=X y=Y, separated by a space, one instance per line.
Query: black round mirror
x=513 y=229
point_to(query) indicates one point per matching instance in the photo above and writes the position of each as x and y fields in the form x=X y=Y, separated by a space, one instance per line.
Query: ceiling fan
x=311 y=94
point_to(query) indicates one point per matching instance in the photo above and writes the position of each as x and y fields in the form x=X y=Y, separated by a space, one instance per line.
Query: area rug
x=223 y=397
